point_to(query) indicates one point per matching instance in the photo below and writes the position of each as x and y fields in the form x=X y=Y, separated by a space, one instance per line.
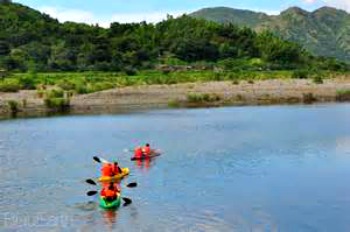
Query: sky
x=103 y=12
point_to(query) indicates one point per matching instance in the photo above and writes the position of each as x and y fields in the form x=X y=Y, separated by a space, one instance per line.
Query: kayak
x=110 y=204
x=145 y=157
x=125 y=171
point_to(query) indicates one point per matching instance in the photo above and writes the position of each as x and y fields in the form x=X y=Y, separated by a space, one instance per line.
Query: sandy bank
x=155 y=96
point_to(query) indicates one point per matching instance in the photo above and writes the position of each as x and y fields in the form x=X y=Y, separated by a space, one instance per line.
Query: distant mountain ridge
x=324 y=32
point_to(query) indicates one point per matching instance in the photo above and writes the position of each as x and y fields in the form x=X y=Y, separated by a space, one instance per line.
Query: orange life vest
x=106 y=192
x=107 y=170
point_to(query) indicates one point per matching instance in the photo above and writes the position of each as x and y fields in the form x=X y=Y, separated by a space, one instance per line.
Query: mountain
x=324 y=32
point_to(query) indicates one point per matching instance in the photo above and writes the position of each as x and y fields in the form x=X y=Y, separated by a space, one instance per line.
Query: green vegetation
x=57 y=104
x=89 y=82
x=343 y=95
x=317 y=79
x=34 y=42
x=10 y=85
x=174 y=103
x=59 y=60
x=13 y=106
x=202 y=98
x=300 y=74
x=316 y=31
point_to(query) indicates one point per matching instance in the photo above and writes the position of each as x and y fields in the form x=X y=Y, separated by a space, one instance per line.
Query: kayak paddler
x=107 y=169
x=116 y=169
x=138 y=153
x=110 y=191
x=146 y=150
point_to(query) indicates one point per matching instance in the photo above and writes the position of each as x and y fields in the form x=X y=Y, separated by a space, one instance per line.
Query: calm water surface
x=282 y=168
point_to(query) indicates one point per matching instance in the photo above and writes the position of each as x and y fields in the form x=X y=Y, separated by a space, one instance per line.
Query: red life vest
x=146 y=150
x=138 y=152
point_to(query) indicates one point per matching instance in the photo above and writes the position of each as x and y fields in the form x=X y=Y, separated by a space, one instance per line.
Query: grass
x=174 y=104
x=89 y=82
x=10 y=85
x=343 y=95
x=57 y=104
x=13 y=106
x=202 y=98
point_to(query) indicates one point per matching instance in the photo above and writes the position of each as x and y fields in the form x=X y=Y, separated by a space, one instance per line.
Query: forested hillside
x=324 y=32
x=31 y=40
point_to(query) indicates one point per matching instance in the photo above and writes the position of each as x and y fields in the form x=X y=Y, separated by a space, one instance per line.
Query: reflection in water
x=110 y=218
x=144 y=164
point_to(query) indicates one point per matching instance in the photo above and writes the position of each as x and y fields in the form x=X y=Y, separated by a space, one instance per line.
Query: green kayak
x=110 y=204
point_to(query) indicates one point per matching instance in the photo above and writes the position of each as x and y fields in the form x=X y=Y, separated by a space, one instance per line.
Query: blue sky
x=106 y=11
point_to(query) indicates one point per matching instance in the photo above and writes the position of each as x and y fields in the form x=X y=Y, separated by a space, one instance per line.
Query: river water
x=274 y=168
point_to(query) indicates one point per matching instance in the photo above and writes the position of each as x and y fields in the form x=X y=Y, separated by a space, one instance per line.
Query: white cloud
x=80 y=16
x=310 y=1
x=152 y=17
x=341 y=4
x=64 y=15
x=268 y=12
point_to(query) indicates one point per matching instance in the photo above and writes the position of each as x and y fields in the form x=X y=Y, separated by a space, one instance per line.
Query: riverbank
x=199 y=94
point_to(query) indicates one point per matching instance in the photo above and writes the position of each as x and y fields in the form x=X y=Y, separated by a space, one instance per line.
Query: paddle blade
x=91 y=193
x=97 y=159
x=90 y=181
x=132 y=185
x=127 y=201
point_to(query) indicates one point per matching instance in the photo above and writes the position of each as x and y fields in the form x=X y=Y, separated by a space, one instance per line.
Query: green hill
x=32 y=40
x=324 y=32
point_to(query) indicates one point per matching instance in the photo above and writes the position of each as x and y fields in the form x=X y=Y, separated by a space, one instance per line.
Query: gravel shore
x=136 y=98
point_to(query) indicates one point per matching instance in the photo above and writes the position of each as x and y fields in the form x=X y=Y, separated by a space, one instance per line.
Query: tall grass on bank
x=89 y=82
x=343 y=95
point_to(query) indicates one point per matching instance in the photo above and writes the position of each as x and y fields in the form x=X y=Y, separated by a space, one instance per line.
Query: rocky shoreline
x=136 y=98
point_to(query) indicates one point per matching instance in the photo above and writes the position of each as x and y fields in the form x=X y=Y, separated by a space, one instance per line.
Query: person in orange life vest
x=138 y=153
x=116 y=169
x=146 y=150
x=107 y=169
x=110 y=192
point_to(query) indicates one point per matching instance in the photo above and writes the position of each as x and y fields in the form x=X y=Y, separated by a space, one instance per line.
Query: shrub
x=300 y=74
x=317 y=79
x=343 y=95
x=174 y=103
x=10 y=85
x=130 y=71
x=13 y=106
x=66 y=85
x=235 y=82
x=27 y=82
x=202 y=98
x=55 y=93
x=57 y=104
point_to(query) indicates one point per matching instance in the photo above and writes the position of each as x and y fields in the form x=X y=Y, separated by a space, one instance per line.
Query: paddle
x=100 y=160
x=130 y=185
x=127 y=201
x=158 y=151
x=91 y=193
